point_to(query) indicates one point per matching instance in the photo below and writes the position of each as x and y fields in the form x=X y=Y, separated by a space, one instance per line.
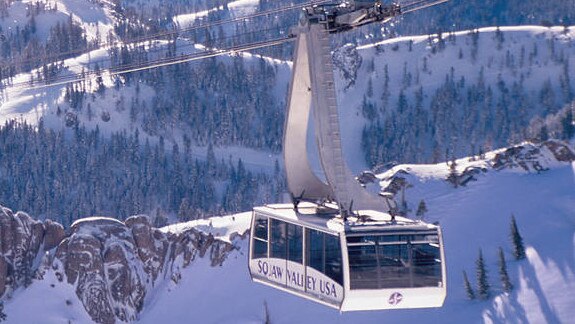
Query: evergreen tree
x=482 y=280
x=518 y=248
x=453 y=176
x=184 y=210
x=421 y=209
x=503 y=275
x=468 y=290
x=267 y=319
x=2 y=314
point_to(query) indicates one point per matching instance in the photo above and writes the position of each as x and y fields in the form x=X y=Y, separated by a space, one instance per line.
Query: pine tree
x=2 y=314
x=184 y=210
x=421 y=209
x=482 y=281
x=518 y=248
x=503 y=275
x=266 y=313
x=468 y=290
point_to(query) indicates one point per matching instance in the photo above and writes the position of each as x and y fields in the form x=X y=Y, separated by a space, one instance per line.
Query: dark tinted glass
x=295 y=243
x=426 y=265
x=333 y=258
x=278 y=239
x=260 y=249
x=363 y=266
x=315 y=249
x=394 y=261
x=261 y=227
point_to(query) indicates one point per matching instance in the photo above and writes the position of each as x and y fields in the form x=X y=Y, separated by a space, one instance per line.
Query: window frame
x=409 y=239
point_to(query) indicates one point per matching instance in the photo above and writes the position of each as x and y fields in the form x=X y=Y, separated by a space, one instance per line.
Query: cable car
x=368 y=261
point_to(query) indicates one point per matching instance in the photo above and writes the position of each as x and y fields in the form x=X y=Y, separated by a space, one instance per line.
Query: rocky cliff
x=113 y=265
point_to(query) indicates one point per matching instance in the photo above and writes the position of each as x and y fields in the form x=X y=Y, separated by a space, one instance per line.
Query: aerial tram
x=336 y=243
x=366 y=262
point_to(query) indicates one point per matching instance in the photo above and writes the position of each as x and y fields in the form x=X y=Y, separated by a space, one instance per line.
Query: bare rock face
x=348 y=61
x=3 y=274
x=111 y=263
x=152 y=245
x=534 y=157
x=561 y=151
x=53 y=235
x=100 y=257
x=22 y=239
x=114 y=264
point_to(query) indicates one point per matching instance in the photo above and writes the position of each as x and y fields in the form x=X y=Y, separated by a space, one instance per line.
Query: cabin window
x=278 y=231
x=295 y=242
x=394 y=261
x=260 y=239
x=333 y=265
x=363 y=264
x=426 y=265
x=394 y=265
x=314 y=249
x=324 y=254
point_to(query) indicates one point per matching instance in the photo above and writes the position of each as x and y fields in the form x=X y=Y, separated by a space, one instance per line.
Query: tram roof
x=329 y=219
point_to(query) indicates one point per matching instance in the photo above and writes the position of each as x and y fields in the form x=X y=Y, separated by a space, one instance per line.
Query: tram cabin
x=365 y=263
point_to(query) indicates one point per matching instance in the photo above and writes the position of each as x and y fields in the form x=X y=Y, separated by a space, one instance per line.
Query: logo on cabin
x=395 y=298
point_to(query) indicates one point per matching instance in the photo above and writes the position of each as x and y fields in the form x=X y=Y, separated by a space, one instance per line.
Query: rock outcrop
x=534 y=157
x=112 y=264
x=22 y=241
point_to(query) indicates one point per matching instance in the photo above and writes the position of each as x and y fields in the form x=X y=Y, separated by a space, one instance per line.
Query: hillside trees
x=483 y=286
x=503 y=275
x=467 y=113
x=517 y=240
x=468 y=289
x=73 y=173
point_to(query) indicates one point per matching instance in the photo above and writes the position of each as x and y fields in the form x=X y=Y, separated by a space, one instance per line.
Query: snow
x=396 y=55
x=237 y=8
x=46 y=301
x=243 y=7
x=96 y=219
x=473 y=217
x=222 y=228
x=91 y=16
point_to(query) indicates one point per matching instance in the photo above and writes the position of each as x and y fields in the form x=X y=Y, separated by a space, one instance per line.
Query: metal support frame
x=313 y=85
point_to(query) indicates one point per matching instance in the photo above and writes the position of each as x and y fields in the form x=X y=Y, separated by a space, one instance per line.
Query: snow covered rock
x=533 y=157
x=114 y=265
x=348 y=61
x=22 y=240
x=152 y=245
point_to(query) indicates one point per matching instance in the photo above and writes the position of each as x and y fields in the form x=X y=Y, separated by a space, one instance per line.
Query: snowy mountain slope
x=95 y=18
x=502 y=78
x=236 y=8
x=475 y=216
x=459 y=92
x=18 y=17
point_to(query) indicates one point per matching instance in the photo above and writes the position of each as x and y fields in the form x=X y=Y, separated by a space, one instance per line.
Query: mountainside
x=433 y=98
x=416 y=99
x=467 y=124
x=102 y=270
x=105 y=270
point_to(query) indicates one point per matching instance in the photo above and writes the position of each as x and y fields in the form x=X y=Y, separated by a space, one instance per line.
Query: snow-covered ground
x=472 y=218
x=238 y=8
x=476 y=216
x=544 y=47
x=527 y=55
